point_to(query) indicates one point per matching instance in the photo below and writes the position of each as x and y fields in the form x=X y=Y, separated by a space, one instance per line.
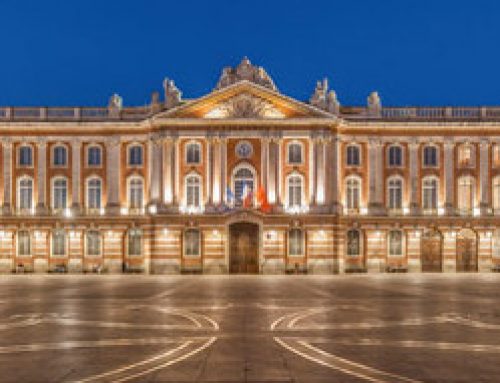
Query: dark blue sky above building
x=412 y=52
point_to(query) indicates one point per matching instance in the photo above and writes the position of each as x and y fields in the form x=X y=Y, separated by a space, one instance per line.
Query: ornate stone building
x=246 y=179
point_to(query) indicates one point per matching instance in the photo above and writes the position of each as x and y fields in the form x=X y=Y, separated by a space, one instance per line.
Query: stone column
x=484 y=178
x=168 y=172
x=76 y=148
x=209 y=170
x=223 y=169
x=376 y=181
x=335 y=183
x=272 y=192
x=279 y=173
x=265 y=163
x=312 y=171
x=414 y=178
x=320 y=172
x=113 y=166
x=7 y=176
x=449 y=166
x=176 y=167
x=216 y=172
x=41 y=206
x=155 y=171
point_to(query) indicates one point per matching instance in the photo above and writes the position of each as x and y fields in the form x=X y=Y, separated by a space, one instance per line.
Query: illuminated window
x=496 y=155
x=193 y=191
x=430 y=193
x=353 y=193
x=135 y=155
x=496 y=244
x=353 y=157
x=243 y=185
x=465 y=155
x=294 y=191
x=59 y=193
x=295 y=153
x=466 y=193
x=296 y=243
x=193 y=153
x=395 y=243
x=94 y=192
x=135 y=193
x=353 y=243
x=23 y=243
x=94 y=156
x=25 y=156
x=430 y=156
x=135 y=242
x=192 y=243
x=395 y=193
x=93 y=244
x=59 y=243
x=60 y=156
x=395 y=156
x=25 y=194
x=496 y=193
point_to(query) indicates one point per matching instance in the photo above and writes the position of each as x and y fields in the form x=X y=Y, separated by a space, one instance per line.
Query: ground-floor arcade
x=250 y=243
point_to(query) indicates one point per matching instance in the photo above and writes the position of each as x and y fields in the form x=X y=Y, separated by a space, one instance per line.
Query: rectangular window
x=94 y=156
x=25 y=156
x=24 y=244
x=59 y=243
x=135 y=243
x=296 y=243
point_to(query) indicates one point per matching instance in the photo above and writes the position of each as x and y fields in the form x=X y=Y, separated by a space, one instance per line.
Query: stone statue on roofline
x=115 y=104
x=245 y=71
x=172 y=94
x=374 y=104
x=324 y=99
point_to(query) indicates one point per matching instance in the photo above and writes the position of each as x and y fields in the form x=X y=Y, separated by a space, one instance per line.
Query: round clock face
x=244 y=149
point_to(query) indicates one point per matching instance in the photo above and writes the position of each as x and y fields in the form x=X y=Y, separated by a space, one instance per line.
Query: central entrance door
x=431 y=252
x=244 y=251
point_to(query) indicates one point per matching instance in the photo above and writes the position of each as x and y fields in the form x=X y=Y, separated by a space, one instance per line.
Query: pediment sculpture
x=245 y=106
x=245 y=71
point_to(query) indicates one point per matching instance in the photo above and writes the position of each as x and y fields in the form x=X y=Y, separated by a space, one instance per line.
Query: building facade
x=248 y=180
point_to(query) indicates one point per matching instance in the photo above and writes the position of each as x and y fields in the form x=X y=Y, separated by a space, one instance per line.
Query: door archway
x=466 y=251
x=244 y=248
x=431 y=252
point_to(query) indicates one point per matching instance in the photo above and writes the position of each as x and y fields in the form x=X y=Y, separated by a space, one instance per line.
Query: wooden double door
x=432 y=257
x=244 y=248
x=466 y=251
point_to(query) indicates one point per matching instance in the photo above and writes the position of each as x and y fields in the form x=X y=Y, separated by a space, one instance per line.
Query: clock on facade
x=244 y=149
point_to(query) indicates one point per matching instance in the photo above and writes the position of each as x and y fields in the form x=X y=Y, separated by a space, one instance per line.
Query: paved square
x=353 y=328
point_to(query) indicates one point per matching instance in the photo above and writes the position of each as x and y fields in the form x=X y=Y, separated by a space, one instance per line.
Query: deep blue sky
x=412 y=52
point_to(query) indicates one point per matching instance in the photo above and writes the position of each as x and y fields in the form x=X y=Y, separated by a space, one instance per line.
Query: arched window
x=294 y=190
x=25 y=194
x=23 y=243
x=243 y=185
x=135 y=155
x=135 y=193
x=94 y=193
x=295 y=153
x=496 y=193
x=25 y=156
x=134 y=242
x=93 y=244
x=353 y=156
x=395 y=156
x=395 y=240
x=296 y=243
x=430 y=156
x=193 y=190
x=193 y=153
x=192 y=244
x=60 y=156
x=59 y=243
x=466 y=193
x=353 y=243
x=59 y=193
x=94 y=156
x=430 y=193
x=353 y=193
x=466 y=155
x=395 y=193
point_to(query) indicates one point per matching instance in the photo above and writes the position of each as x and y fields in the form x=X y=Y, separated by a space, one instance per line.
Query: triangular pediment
x=244 y=100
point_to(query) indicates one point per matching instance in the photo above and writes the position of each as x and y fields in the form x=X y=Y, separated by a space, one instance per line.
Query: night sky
x=413 y=52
